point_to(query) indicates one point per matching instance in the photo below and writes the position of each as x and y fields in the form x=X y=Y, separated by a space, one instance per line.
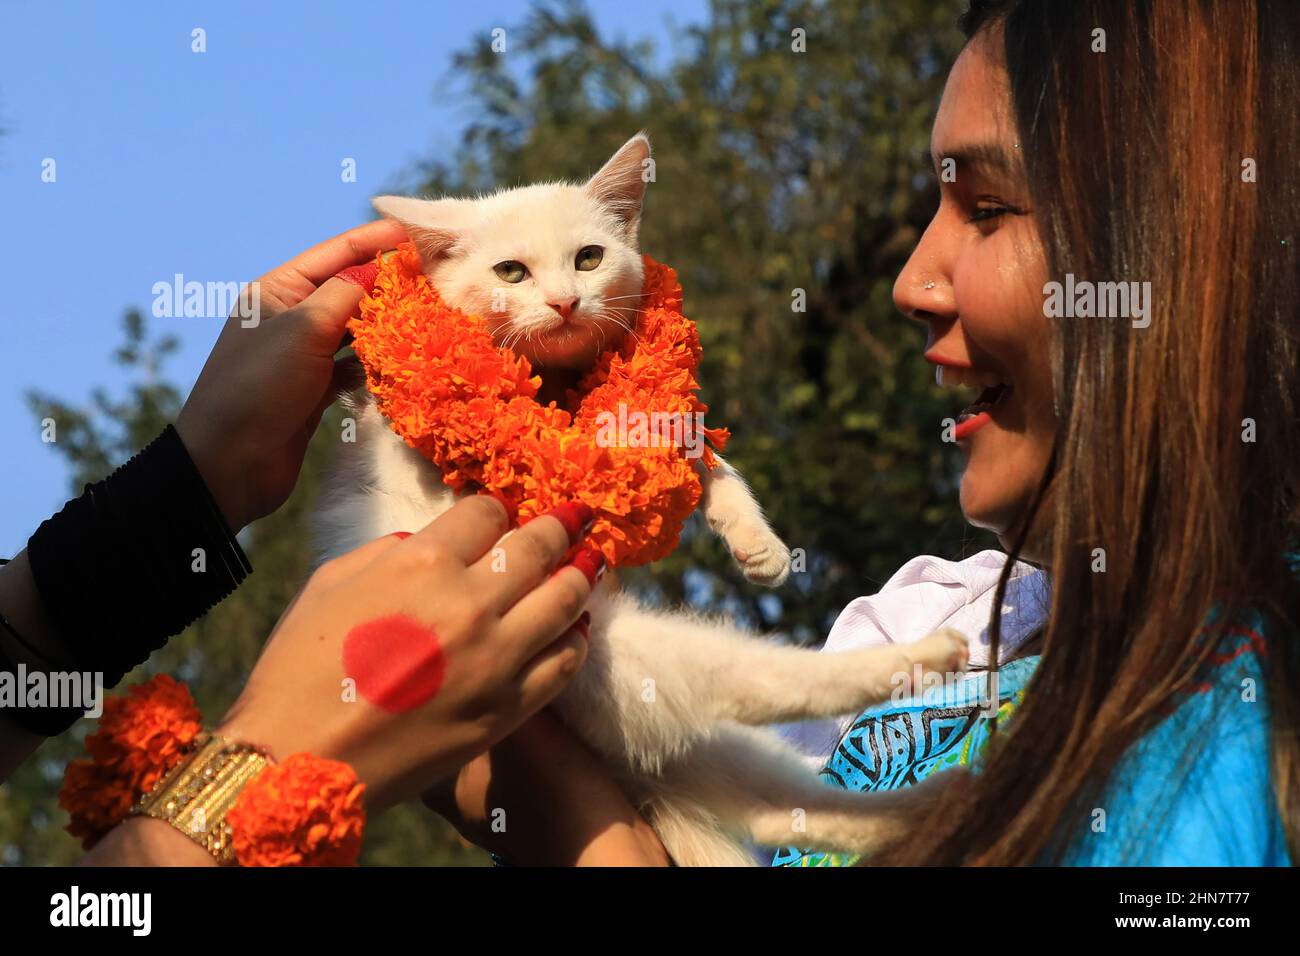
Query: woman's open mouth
x=979 y=412
x=976 y=415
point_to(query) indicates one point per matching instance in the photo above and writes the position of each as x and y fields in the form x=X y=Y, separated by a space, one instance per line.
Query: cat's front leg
x=669 y=677
x=767 y=684
x=733 y=513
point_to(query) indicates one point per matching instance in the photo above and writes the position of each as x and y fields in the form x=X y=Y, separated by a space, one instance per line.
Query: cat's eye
x=511 y=271
x=588 y=258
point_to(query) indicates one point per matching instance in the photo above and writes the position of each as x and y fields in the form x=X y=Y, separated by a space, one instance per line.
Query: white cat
x=677 y=703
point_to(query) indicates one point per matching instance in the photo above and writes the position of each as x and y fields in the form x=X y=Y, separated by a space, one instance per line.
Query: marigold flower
x=141 y=736
x=305 y=811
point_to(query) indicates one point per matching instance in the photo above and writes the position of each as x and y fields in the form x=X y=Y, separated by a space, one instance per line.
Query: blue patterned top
x=1195 y=791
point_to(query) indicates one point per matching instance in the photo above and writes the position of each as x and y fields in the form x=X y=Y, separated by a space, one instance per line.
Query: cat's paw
x=945 y=651
x=762 y=556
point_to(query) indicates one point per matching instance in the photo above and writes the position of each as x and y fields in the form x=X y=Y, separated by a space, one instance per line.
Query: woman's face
x=976 y=280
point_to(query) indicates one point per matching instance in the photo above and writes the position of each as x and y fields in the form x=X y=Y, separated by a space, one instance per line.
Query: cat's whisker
x=621 y=308
x=626 y=314
x=608 y=316
x=615 y=320
x=512 y=338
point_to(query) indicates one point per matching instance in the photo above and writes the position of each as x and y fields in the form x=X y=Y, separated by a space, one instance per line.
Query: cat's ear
x=620 y=184
x=433 y=224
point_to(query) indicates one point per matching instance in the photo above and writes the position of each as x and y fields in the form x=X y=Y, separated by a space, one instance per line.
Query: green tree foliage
x=776 y=171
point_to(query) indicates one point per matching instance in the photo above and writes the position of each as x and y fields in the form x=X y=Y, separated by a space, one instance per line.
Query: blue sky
x=216 y=165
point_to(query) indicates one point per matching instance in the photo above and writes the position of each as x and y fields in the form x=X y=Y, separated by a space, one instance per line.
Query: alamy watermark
x=949 y=690
x=133 y=911
x=192 y=299
x=1101 y=300
x=638 y=429
x=72 y=690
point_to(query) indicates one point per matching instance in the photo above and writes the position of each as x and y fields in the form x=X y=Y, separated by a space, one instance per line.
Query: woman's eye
x=991 y=211
x=511 y=271
x=588 y=258
x=985 y=213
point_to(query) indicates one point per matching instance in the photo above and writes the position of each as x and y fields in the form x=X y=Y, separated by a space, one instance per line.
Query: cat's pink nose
x=564 y=306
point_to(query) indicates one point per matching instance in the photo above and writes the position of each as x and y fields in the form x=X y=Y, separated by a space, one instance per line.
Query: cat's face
x=554 y=270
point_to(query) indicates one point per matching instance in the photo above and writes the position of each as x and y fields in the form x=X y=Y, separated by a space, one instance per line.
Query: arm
x=541 y=798
x=244 y=427
x=143 y=841
x=21 y=606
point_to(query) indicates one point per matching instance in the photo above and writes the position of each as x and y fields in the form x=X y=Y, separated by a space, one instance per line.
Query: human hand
x=541 y=798
x=267 y=382
x=408 y=657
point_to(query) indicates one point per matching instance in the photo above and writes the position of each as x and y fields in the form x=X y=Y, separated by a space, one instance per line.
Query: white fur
x=542 y=226
x=676 y=702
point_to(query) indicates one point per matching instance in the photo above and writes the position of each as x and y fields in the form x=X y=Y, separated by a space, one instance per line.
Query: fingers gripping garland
x=470 y=407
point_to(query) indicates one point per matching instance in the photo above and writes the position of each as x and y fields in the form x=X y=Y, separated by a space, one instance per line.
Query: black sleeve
x=134 y=560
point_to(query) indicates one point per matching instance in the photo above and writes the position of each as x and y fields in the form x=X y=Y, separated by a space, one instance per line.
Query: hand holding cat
x=542 y=798
x=268 y=379
x=412 y=654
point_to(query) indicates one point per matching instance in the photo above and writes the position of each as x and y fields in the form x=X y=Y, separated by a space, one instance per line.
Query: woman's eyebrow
x=987 y=157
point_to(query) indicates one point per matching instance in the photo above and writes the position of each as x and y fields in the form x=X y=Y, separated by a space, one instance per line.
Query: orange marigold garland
x=470 y=408
x=303 y=812
x=141 y=736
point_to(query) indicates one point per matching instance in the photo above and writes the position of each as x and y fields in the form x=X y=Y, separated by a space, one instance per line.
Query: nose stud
x=928 y=285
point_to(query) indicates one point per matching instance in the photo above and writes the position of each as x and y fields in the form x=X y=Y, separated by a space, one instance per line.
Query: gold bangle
x=195 y=795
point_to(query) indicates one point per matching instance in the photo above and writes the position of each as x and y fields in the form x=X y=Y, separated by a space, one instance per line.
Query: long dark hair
x=1138 y=160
